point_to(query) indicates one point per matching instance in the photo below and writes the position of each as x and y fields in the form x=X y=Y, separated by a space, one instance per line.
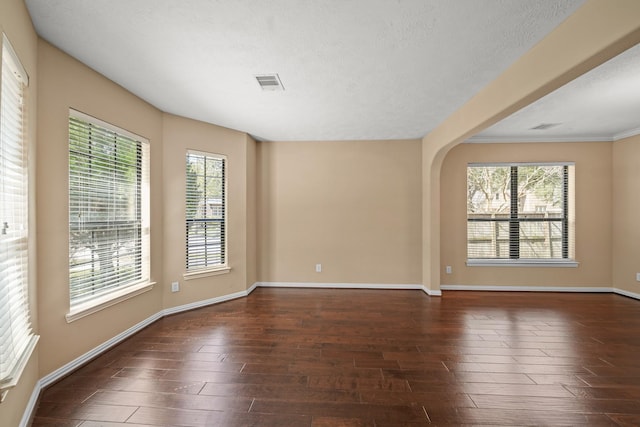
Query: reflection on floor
x=311 y=357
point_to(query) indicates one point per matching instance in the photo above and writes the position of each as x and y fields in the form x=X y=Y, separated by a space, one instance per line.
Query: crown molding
x=626 y=134
x=537 y=139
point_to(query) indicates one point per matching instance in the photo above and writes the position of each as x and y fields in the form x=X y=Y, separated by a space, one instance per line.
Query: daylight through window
x=108 y=209
x=205 y=211
x=519 y=212
x=17 y=339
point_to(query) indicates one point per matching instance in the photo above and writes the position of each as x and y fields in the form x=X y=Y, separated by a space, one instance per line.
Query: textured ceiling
x=352 y=69
x=601 y=105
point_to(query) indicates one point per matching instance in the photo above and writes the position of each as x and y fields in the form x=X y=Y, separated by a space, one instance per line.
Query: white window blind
x=108 y=210
x=16 y=337
x=205 y=211
x=519 y=212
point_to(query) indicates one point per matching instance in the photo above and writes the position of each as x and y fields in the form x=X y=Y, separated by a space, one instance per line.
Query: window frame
x=16 y=332
x=194 y=272
x=567 y=220
x=125 y=290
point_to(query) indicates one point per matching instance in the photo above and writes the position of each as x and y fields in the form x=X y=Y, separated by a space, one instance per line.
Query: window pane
x=17 y=339
x=540 y=196
x=534 y=227
x=541 y=239
x=488 y=191
x=488 y=201
x=488 y=239
x=540 y=191
x=205 y=211
x=107 y=237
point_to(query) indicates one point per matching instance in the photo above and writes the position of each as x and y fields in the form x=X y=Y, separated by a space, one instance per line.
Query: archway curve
x=595 y=33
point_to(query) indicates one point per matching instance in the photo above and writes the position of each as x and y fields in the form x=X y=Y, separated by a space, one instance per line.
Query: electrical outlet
x=447 y=269
x=318 y=268
x=175 y=286
x=637 y=277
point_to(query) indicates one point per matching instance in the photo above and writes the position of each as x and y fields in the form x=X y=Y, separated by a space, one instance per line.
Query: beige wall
x=16 y=24
x=63 y=83
x=592 y=210
x=180 y=135
x=626 y=208
x=352 y=206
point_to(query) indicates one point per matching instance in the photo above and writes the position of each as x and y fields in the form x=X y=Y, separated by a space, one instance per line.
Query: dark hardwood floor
x=293 y=357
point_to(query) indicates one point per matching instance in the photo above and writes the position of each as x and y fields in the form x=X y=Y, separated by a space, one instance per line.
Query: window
x=519 y=213
x=108 y=212
x=17 y=340
x=206 y=211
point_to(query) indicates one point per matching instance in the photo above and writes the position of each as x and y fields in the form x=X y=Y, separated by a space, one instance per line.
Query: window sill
x=206 y=272
x=107 y=301
x=565 y=263
x=10 y=382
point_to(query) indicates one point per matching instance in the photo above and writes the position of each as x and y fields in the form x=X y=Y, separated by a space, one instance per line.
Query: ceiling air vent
x=545 y=126
x=269 y=82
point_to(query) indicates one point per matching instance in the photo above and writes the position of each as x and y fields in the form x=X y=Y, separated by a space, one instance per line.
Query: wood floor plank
x=152 y=385
x=342 y=382
x=557 y=404
x=517 y=368
x=626 y=420
x=168 y=400
x=94 y=412
x=164 y=364
x=55 y=422
x=493 y=377
x=503 y=389
x=484 y=416
x=227 y=378
x=568 y=380
x=340 y=422
x=498 y=351
x=605 y=392
x=364 y=411
x=68 y=395
x=283 y=392
x=109 y=424
x=375 y=358
x=440 y=399
x=191 y=418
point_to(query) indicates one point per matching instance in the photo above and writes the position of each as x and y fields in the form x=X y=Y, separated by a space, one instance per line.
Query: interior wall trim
x=592 y=289
x=526 y=288
x=629 y=294
x=427 y=291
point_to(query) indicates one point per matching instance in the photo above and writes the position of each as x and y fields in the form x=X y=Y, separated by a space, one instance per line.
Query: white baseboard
x=629 y=294
x=206 y=302
x=31 y=405
x=432 y=292
x=336 y=285
x=597 y=289
x=600 y=289
x=348 y=286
